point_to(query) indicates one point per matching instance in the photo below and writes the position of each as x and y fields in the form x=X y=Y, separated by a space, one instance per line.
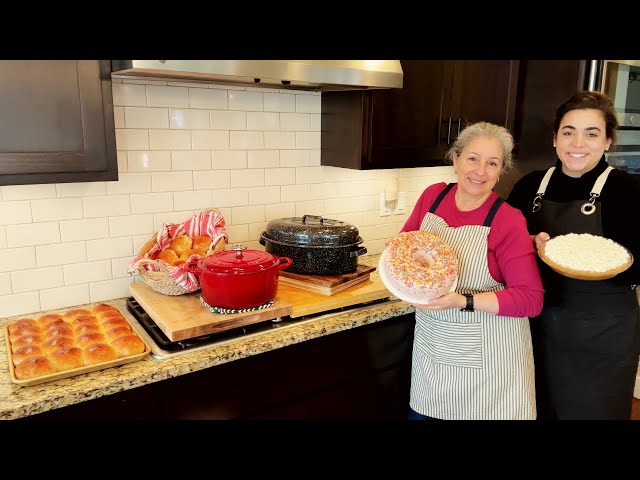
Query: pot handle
x=262 y=240
x=304 y=218
x=284 y=263
x=192 y=267
x=358 y=252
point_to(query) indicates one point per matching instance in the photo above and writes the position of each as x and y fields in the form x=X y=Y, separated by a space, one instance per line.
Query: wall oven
x=620 y=79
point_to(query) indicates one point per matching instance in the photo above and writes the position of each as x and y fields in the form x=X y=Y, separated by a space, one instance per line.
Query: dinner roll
x=98 y=353
x=177 y=263
x=66 y=358
x=56 y=343
x=202 y=242
x=23 y=321
x=128 y=345
x=27 y=351
x=168 y=256
x=114 y=322
x=89 y=339
x=84 y=320
x=116 y=332
x=23 y=329
x=181 y=243
x=47 y=319
x=89 y=328
x=59 y=332
x=103 y=307
x=69 y=315
x=192 y=251
x=34 y=367
x=26 y=340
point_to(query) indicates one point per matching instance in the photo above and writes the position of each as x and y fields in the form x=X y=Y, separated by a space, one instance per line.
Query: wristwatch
x=469 y=307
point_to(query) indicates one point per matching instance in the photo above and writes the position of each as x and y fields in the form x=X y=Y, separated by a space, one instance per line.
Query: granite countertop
x=18 y=401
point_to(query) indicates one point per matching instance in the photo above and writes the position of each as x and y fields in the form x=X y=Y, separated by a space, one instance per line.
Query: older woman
x=472 y=355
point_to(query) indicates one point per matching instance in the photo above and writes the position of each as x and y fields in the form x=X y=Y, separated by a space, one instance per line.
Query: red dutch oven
x=239 y=278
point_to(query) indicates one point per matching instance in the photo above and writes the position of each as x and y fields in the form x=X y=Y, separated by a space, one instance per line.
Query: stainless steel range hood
x=316 y=75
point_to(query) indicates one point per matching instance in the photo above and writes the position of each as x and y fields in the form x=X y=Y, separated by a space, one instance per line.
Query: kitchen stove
x=162 y=347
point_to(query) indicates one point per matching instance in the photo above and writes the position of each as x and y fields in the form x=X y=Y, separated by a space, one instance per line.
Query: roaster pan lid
x=312 y=230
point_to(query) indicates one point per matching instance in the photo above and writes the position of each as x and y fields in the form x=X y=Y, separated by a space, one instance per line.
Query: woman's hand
x=446 y=301
x=540 y=239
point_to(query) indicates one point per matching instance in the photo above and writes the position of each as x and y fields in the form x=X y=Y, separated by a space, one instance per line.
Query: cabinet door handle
x=459 y=124
x=449 y=132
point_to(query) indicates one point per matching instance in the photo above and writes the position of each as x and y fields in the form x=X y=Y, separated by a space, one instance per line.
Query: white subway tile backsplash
x=295 y=158
x=246 y=101
x=5 y=284
x=131 y=225
x=210 y=140
x=161 y=96
x=308 y=140
x=56 y=209
x=28 y=192
x=246 y=140
x=84 y=189
x=15 y=212
x=263 y=159
x=264 y=195
x=228 y=160
x=280 y=210
x=208 y=98
x=308 y=103
x=280 y=176
x=228 y=120
x=156 y=161
x=109 y=248
x=32 y=234
x=295 y=122
x=144 y=117
x=263 y=121
x=128 y=139
x=279 y=102
x=109 y=289
x=151 y=202
x=211 y=179
x=86 y=272
x=130 y=183
x=253 y=153
x=88 y=229
x=250 y=214
x=36 y=279
x=247 y=178
x=193 y=200
x=280 y=140
x=185 y=118
x=171 y=181
x=169 y=140
x=127 y=94
x=191 y=160
x=55 y=298
x=61 y=254
x=20 y=304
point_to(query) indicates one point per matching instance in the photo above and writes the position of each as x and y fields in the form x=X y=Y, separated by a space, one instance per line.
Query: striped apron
x=471 y=365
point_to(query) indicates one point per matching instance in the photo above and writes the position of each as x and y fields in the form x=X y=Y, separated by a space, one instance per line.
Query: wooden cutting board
x=184 y=316
x=326 y=284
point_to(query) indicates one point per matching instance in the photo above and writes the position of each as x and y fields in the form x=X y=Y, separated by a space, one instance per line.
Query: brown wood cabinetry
x=414 y=126
x=58 y=123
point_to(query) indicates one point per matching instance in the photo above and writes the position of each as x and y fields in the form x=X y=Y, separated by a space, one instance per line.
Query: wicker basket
x=160 y=280
x=155 y=273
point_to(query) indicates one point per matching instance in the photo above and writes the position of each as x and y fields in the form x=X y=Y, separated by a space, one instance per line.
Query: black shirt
x=619 y=201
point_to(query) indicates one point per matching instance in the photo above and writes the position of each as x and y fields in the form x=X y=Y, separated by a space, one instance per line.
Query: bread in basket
x=176 y=279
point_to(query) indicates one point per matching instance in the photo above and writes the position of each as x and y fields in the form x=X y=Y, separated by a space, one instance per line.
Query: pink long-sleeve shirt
x=511 y=257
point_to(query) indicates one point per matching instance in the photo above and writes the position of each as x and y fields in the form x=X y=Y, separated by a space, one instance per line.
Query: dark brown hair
x=587 y=99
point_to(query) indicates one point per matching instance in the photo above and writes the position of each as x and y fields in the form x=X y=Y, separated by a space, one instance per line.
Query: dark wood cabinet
x=363 y=373
x=58 y=122
x=414 y=126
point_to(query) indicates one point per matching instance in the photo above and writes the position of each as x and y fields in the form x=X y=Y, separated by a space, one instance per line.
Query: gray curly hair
x=484 y=129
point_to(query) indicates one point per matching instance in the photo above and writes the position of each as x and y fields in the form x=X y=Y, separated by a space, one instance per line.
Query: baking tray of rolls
x=58 y=345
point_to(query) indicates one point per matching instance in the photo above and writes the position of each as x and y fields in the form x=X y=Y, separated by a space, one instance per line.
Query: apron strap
x=439 y=198
x=590 y=206
x=541 y=189
x=492 y=212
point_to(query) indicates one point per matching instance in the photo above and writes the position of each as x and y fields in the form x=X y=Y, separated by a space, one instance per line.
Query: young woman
x=472 y=354
x=587 y=339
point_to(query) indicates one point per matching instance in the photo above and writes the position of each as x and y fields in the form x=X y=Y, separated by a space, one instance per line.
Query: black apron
x=587 y=340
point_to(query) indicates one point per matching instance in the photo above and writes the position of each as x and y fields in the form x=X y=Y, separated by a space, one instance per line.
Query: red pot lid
x=238 y=261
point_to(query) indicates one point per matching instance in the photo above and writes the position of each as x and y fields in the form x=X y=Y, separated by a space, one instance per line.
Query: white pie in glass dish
x=583 y=256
